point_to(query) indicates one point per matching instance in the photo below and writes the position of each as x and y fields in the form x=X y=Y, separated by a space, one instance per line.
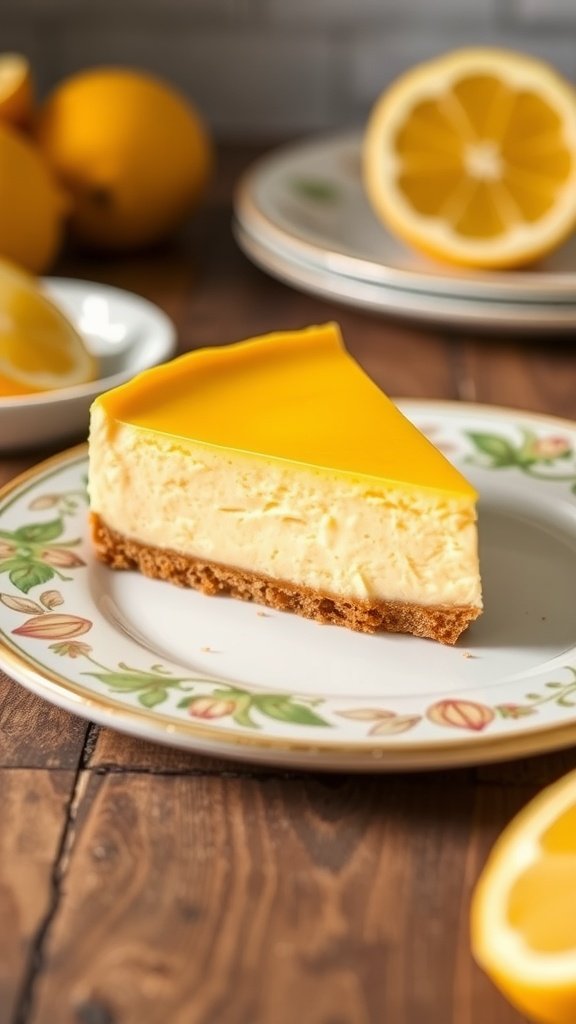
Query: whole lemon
x=133 y=153
x=31 y=205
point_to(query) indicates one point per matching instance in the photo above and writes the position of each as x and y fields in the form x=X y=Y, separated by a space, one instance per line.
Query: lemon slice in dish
x=524 y=908
x=471 y=158
x=39 y=348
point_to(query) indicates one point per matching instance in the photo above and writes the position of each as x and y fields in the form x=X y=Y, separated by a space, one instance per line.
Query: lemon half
x=472 y=158
x=524 y=908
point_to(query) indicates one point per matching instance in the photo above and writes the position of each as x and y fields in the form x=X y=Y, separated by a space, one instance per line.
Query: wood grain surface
x=33 y=825
x=143 y=885
x=34 y=734
x=217 y=899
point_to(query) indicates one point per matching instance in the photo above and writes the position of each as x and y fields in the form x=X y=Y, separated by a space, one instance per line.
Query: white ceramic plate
x=506 y=317
x=125 y=332
x=222 y=677
x=307 y=200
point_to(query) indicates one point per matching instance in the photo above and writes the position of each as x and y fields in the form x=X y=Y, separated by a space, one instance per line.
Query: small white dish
x=227 y=678
x=125 y=332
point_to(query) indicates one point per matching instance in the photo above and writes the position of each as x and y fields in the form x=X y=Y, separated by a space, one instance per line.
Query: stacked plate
x=301 y=214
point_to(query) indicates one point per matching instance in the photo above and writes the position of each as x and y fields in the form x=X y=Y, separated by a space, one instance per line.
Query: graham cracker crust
x=444 y=624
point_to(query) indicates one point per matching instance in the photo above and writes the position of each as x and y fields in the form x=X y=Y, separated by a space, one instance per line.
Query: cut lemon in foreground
x=472 y=158
x=39 y=347
x=524 y=908
x=16 y=90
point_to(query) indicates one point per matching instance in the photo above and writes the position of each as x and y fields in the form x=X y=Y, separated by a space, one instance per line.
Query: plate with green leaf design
x=229 y=678
x=306 y=202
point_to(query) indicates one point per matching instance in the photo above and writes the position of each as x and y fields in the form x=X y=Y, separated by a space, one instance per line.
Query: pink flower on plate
x=460 y=714
x=552 y=447
x=515 y=710
x=211 y=707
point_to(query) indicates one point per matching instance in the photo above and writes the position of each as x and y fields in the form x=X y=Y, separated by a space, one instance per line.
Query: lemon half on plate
x=471 y=158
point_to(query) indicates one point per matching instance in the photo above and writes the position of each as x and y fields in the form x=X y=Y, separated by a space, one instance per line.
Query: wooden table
x=141 y=885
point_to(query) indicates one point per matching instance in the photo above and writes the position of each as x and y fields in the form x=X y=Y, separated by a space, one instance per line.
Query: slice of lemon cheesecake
x=275 y=470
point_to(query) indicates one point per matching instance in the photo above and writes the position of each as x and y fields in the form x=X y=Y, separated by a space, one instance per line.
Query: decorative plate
x=306 y=200
x=227 y=678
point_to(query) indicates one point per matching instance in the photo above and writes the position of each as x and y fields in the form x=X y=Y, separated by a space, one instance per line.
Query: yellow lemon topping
x=296 y=396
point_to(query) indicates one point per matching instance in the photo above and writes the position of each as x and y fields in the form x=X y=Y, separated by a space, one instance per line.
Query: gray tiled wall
x=261 y=68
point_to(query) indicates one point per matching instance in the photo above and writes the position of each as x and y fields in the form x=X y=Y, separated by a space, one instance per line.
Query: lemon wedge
x=524 y=908
x=39 y=347
x=472 y=158
x=16 y=90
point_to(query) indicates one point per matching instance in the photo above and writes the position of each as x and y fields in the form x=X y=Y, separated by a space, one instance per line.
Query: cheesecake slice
x=275 y=470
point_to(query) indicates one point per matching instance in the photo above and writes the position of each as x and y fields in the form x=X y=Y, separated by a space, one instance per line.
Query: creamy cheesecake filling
x=318 y=529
